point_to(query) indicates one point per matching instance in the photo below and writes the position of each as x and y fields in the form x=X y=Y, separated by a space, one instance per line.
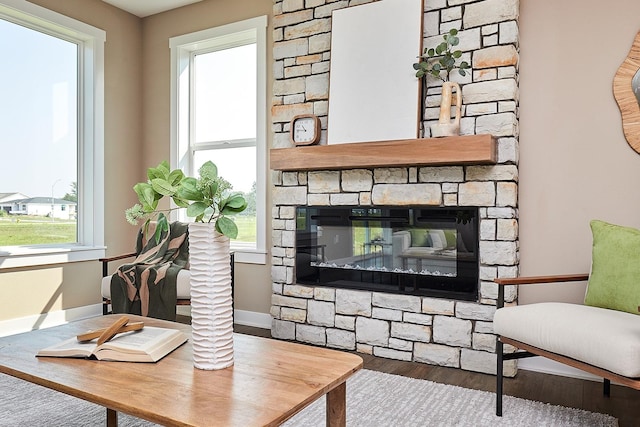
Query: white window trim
x=90 y=244
x=181 y=48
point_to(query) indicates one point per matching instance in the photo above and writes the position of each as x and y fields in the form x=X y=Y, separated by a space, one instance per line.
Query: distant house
x=7 y=200
x=42 y=206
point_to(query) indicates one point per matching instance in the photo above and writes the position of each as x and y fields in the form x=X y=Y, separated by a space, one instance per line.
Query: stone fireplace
x=432 y=329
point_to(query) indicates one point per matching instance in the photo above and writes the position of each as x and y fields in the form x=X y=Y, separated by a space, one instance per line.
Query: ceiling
x=144 y=8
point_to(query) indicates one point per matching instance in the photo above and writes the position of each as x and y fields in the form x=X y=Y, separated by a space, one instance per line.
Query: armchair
x=183 y=287
x=601 y=337
x=158 y=274
x=600 y=341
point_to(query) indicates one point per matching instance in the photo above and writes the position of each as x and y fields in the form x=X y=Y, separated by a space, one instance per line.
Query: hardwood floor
x=623 y=404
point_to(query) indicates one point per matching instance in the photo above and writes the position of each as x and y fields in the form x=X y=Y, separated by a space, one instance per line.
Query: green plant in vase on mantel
x=442 y=58
x=207 y=198
x=439 y=62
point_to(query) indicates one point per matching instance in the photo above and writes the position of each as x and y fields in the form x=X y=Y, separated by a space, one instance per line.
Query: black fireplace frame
x=464 y=220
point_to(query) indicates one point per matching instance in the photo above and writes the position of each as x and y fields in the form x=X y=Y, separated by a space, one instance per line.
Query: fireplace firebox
x=416 y=250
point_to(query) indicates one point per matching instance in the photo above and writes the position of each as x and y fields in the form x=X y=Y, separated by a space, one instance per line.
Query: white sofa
x=433 y=253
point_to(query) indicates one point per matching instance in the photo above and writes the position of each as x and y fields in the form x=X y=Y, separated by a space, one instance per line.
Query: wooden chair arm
x=532 y=280
x=117 y=257
x=105 y=262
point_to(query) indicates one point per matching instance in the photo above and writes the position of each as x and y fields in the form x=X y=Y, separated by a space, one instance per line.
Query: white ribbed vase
x=211 y=300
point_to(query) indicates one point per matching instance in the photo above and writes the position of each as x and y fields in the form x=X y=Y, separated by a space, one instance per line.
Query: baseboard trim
x=253 y=318
x=242 y=317
x=47 y=320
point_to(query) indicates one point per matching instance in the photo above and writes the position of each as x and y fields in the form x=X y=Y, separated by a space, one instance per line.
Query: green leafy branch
x=442 y=58
x=207 y=198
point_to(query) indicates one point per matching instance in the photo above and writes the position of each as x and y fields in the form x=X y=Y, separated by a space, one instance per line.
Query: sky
x=38 y=112
x=38 y=87
x=227 y=75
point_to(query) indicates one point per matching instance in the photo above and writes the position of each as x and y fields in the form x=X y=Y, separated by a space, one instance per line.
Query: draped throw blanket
x=147 y=286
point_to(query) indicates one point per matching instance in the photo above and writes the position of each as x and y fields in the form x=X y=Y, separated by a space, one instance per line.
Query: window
x=51 y=113
x=219 y=114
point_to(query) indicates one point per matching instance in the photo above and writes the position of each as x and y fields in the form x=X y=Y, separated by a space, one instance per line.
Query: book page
x=147 y=345
x=69 y=348
x=138 y=341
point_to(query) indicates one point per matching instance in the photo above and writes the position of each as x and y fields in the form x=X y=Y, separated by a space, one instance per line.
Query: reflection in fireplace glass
x=419 y=250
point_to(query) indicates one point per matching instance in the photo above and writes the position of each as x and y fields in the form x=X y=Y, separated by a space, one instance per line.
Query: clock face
x=305 y=130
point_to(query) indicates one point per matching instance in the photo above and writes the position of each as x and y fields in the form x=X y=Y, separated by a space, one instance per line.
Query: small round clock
x=305 y=129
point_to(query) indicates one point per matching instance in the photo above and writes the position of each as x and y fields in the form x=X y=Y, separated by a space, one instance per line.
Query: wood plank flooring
x=623 y=404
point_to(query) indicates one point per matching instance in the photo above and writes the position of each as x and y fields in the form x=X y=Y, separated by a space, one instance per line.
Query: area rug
x=379 y=399
x=374 y=399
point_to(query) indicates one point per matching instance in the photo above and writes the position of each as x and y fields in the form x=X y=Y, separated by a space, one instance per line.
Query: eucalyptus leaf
x=208 y=170
x=206 y=198
x=146 y=195
x=182 y=203
x=442 y=59
x=227 y=227
x=162 y=186
x=160 y=171
x=229 y=209
x=175 y=177
x=188 y=190
x=196 y=209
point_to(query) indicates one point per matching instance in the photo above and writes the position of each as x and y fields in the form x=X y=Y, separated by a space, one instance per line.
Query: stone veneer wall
x=429 y=330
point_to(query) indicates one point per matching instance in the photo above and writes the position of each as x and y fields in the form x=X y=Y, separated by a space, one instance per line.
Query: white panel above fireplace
x=373 y=92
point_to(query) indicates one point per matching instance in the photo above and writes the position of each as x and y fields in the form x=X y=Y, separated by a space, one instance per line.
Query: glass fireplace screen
x=416 y=250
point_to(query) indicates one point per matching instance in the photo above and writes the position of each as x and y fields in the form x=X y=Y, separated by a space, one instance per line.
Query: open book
x=149 y=344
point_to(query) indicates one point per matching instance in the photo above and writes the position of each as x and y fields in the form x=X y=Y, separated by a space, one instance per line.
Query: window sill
x=29 y=256
x=245 y=255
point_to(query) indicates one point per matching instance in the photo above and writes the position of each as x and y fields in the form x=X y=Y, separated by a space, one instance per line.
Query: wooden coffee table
x=269 y=382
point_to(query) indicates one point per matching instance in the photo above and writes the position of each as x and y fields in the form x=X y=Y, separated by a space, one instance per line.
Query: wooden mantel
x=454 y=150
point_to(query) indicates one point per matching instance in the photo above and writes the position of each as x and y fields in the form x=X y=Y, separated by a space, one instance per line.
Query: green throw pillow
x=450 y=235
x=418 y=237
x=614 y=281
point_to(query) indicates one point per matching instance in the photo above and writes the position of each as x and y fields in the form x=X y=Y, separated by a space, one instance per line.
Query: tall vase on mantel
x=447 y=126
x=211 y=297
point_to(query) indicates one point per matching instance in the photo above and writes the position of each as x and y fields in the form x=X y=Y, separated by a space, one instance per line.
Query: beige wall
x=253 y=282
x=575 y=164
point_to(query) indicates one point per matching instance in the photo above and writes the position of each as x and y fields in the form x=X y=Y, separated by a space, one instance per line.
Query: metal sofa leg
x=499 y=375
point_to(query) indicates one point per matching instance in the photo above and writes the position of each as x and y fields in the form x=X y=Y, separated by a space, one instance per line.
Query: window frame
x=182 y=50
x=90 y=156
